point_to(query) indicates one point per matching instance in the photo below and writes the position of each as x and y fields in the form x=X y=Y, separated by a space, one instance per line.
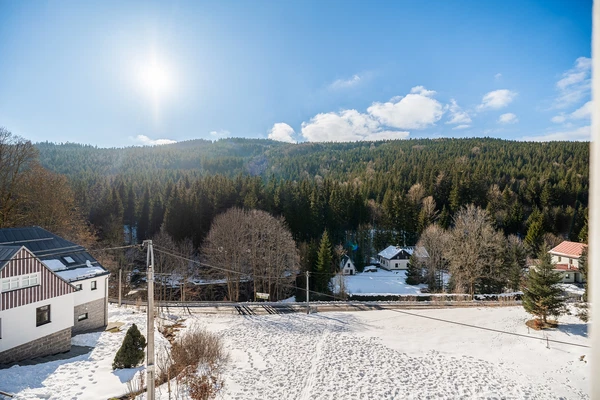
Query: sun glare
x=155 y=78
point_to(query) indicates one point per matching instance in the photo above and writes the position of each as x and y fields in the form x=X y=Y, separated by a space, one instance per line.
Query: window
x=94 y=287
x=42 y=315
x=29 y=280
x=69 y=259
x=566 y=276
x=559 y=258
x=82 y=317
x=78 y=287
x=10 y=283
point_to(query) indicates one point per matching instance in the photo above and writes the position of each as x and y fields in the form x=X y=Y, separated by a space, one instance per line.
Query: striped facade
x=49 y=285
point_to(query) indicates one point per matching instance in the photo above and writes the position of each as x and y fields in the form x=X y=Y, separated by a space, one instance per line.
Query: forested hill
x=399 y=185
x=405 y=161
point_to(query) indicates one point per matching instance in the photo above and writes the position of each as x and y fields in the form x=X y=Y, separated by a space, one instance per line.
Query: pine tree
x=144 y=218
x=131 y=352
x=323 y=267
x=414 y=273
x=535 y=235
x=583 y=269
x=541 y=294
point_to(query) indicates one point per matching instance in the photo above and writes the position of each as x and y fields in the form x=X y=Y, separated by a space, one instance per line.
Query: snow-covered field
x=354 y=355
x=381 y=282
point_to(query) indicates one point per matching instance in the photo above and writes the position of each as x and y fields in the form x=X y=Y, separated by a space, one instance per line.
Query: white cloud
x=345 y=83
x=457 y=115
x=583 y=112
x=346 y=126
x=498 y=75
x=146 y=141
x=575 y=83
x=416 y=110
x=221 y=133
x=508 y=118
x=497 y=99
x=579 y=134
x=461 y=127
x=282 y=132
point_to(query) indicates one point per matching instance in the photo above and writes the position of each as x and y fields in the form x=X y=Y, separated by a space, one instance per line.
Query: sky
x=114 y=74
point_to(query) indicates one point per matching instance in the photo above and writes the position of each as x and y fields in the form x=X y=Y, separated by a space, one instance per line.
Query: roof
x=571 y=249
x=68 y=260
x=6 y=253
x=393 y=251
x=344 y=260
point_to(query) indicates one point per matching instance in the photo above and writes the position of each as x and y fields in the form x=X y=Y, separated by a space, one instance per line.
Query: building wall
x=394 y=264
x=57 y=342
x=557 y=259
x=18 y=323
x=50 y=285
x=569 y=276
x=86 y=294
x=96 y=316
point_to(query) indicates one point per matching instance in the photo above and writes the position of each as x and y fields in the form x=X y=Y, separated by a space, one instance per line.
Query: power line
x=489 y=329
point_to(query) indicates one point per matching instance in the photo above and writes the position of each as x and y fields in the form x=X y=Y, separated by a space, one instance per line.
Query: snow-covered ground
x=381 y=282
x=383 y=354
x=89 y=376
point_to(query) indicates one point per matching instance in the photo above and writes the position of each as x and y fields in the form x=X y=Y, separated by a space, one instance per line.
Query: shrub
x=131 y=352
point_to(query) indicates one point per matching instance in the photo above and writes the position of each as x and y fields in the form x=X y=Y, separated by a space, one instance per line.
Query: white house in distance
x=565 y=258
x=54 y=283
x=347 y=266
x=395 y=258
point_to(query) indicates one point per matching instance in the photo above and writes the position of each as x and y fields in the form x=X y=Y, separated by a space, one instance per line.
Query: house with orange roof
x=565 y=258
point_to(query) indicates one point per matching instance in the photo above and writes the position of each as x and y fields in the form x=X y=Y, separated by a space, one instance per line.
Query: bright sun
x=155 y=78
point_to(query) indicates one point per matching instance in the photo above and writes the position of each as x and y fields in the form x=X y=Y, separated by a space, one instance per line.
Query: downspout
x=106 y=300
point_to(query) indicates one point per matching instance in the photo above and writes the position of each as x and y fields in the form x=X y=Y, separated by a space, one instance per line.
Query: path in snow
x=335 y=356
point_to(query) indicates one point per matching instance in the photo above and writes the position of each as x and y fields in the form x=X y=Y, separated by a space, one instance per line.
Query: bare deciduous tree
x=16 y=156
x=475 y=250
x=252 y=245
x=435 y=241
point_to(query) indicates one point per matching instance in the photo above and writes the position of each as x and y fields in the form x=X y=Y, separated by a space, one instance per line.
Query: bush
x=131 y=353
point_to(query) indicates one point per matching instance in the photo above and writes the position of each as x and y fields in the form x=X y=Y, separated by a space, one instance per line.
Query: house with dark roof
x=565 y=258
x=50 y=289
x=347 y=266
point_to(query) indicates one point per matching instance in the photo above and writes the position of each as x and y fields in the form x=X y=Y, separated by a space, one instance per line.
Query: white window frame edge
x=594 y=204
x=20 y=278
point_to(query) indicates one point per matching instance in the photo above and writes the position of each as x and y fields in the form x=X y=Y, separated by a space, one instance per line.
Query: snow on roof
x=392 y=251
x=76 y=274
x=572 y=249
x=54 y=265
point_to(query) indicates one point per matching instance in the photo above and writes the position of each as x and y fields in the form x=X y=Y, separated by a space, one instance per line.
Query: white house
x=395 y=258
x=347 y=266
x=33 y=301
x=565 y=258
x=61 y=261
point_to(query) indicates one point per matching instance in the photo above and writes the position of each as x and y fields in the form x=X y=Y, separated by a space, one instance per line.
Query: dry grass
x=538 y=324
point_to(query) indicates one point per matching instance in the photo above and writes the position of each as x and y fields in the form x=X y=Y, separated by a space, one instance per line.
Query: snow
x=385 y=354
x=380 y=283
x=390 y=355
x=80 y=273
x=390 y=252
x=54 y=265
x=89 y=376
x=571 y=288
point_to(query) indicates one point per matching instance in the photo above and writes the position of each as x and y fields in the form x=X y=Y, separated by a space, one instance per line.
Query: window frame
x=10 y=281
x=84 y=315
x=39 y=312
x=94 y=285
x=78 y=287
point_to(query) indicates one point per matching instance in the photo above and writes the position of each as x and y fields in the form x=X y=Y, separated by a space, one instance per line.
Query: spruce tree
x=324 y=260
x=414 y=274
x=131 y=353
x=541 y=295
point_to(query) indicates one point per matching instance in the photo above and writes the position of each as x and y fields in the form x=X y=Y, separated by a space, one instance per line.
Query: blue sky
x=117 y=73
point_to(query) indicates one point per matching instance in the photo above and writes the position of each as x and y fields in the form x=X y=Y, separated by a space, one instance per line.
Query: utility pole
x=120 y=269
x=150 y=324
x=307 y=294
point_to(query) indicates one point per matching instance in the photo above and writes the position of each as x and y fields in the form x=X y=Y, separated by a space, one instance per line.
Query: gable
x=49 y=285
